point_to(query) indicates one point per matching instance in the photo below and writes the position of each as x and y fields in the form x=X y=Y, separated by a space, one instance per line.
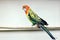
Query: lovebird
x=36 y=20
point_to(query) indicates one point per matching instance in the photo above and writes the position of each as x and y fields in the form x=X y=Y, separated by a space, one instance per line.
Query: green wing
x=34 y=16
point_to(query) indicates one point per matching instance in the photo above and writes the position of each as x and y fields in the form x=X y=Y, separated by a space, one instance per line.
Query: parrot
x=36 y=20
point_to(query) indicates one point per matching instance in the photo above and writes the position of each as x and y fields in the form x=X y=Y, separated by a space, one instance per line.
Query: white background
x=12 y=15
x=28 y=35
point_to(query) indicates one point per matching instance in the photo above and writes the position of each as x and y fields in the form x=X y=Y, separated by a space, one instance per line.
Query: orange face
x=26 y=8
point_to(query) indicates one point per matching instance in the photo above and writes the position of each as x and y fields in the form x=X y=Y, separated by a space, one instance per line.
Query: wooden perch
x=11 y=29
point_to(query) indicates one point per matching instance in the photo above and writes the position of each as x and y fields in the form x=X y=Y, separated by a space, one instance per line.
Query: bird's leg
x=38 y=25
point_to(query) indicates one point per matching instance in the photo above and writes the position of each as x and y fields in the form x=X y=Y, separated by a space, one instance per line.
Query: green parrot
x=35 y=19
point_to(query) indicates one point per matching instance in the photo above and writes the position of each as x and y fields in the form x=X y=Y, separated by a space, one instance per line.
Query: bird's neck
x=27 y=10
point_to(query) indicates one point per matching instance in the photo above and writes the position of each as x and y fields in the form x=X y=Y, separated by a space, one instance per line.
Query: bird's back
x=34 y=18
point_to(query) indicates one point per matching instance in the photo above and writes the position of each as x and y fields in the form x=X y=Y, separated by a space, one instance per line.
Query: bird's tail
x=47 y=31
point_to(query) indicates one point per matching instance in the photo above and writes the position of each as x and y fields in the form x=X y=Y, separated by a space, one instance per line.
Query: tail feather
x=47 y=31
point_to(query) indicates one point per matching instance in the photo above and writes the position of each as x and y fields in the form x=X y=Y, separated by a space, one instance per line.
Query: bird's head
x=26 y=8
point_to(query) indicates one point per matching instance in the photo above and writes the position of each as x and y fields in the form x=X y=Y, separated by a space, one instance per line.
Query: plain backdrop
x=28 y=35
x=12 y=15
